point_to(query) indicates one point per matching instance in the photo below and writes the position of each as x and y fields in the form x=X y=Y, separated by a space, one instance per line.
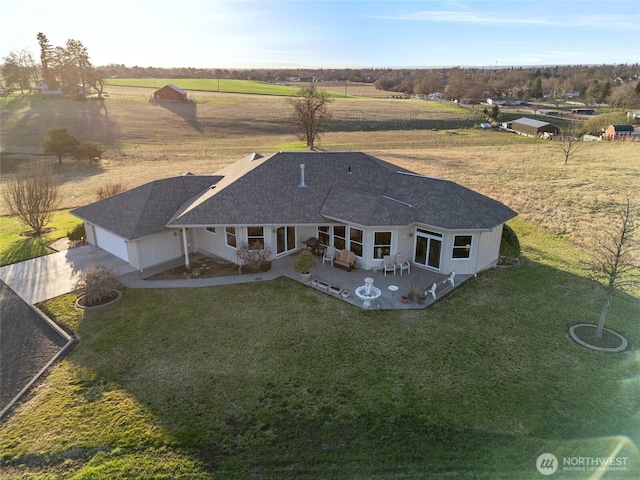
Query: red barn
x=170 y=93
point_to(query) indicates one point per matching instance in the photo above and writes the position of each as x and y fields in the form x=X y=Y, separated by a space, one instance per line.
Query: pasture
x=273 y=380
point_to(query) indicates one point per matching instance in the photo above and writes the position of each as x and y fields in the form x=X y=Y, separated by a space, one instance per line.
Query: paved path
x=52 y=275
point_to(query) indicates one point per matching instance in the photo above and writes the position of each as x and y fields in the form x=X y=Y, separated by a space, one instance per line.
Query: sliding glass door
x=428 y=248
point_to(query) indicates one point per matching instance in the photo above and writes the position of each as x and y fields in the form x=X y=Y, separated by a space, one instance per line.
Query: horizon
x=268 y=34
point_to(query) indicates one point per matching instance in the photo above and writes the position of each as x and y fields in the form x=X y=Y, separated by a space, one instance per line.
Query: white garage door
x=111 y=243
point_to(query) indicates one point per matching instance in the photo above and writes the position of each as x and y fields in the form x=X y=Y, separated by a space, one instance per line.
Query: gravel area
x=27 y=343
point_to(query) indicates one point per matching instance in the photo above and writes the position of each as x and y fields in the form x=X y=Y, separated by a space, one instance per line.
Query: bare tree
x=109 y=189
x=310 y=111
x=32 y=195
x=570 y=141
x=616 y=254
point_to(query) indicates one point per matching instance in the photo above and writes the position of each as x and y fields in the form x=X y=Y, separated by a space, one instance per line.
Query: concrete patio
x=419 y=279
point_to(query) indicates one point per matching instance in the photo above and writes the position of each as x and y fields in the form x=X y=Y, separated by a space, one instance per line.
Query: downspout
x=186 y=249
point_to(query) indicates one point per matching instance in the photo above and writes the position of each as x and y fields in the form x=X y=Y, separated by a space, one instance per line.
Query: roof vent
x=349 y=172
x=302 y=184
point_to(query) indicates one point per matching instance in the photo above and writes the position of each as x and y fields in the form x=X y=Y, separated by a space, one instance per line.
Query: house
x=43 y=89
x=615 y=132
x=170 y=93
x=347 y=200
x=493 y=101
x=533 y=128
x=634 y=115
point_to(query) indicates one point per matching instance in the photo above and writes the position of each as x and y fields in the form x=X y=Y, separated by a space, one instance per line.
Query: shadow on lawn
x=250 y=380
x=26 y=247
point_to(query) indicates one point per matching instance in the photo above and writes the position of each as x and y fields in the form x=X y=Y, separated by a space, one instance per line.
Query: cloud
x=514 y=18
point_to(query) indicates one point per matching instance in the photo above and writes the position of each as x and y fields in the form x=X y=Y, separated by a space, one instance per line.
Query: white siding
x=488 y=251
x=159 y=248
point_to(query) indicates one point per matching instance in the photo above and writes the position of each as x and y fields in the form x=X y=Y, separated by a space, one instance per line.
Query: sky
x=331 y=34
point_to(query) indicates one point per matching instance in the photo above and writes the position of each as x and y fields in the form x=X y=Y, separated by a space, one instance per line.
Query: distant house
x=492 y=101
x=534 y=128
x=634 y=115
x=43 y=89
x=170 y=93
x=615 y=132
x=347 y=200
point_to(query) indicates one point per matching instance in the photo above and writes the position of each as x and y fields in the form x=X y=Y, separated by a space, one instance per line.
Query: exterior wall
x=157 y=249
x=111 y=243
x=168 y=93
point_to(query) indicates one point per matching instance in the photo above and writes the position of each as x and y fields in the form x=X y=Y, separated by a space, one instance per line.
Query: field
x=273 y=380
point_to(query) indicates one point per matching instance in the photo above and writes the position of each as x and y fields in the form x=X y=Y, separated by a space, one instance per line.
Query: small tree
x=59 y=142
x=97 y=283
x=616 y=254
x=89 y=151
x=310 y=111
x=305 y=262
x=32 y=195
x=570 y=141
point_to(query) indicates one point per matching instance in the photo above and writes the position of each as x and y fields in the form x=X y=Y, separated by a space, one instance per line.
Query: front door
x=428 y=249
x=285 y=240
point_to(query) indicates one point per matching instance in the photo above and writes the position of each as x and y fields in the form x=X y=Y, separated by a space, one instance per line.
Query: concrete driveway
x=52 y=275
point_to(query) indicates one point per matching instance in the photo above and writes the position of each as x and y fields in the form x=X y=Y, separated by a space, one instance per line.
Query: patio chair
x=388 y=265
x=402 y=264
x=346 y=259
x=329 y=255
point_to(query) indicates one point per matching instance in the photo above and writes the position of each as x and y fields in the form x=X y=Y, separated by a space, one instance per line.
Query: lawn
x=275 y=380
x=212 y=85
x=16 y=246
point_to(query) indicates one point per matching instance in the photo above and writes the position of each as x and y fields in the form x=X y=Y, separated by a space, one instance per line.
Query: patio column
x=186 y=248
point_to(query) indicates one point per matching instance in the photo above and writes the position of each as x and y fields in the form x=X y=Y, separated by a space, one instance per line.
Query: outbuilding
x=170 y=93
x=533 y=128
x=615 y=132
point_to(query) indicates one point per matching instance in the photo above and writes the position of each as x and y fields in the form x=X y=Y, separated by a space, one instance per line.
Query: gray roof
x=146 y=209
x=348 y=187
x=623 y=128
x=531 y=122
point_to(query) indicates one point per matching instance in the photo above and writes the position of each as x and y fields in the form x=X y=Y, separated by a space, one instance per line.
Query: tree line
x=69 y=68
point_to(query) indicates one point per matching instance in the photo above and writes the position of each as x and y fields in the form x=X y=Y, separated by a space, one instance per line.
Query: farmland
x=198 y=384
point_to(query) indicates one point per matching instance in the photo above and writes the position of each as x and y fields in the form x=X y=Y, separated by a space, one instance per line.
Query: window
x=324 y=235
x=211 y=230
x=381 y=244
x=340 y=237
x=461 y=246
x=231 y=236
x=355 y=240
x=255 y=238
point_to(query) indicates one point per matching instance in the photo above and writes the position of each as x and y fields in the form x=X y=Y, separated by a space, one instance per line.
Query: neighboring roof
x=530 y=122
x=146 y=209
x=340 y=186
x=622 y=128
x=173 y=87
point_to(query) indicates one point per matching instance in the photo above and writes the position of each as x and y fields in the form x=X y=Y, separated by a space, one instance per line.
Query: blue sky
x=234 y=34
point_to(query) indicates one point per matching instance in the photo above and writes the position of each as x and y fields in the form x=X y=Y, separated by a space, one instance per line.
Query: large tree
x=616 y=260
x=18 y=69
x=32 y=195
x=59 y=142
x=46 y=50
x=310 y=111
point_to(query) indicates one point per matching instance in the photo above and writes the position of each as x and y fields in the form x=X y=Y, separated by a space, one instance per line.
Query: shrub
x=253 y=258
x=109 y=190
x=97 y=283
x=89 y=151
x=77 y=234
x=305 y=262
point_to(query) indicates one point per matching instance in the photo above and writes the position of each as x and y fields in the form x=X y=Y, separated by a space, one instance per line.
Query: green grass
x=16 y=247
x=277 y=380
x=213 y=85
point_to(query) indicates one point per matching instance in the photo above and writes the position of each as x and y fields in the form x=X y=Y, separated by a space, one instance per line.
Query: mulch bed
x=207 y=268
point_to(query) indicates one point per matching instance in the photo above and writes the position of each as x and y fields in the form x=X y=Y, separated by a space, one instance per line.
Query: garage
x=112 y=243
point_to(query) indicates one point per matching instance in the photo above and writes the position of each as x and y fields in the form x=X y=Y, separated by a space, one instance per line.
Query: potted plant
x=303 y=265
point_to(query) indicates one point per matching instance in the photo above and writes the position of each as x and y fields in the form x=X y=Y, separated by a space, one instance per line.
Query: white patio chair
x=402 y=264
x=388 y=265
x=329 y=255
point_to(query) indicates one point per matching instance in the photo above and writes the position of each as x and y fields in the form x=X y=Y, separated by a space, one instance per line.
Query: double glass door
x=428 y=249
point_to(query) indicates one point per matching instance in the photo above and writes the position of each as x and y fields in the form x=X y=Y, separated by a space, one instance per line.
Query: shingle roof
x=340 y=186
x=623 y=128
x=146 y=209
